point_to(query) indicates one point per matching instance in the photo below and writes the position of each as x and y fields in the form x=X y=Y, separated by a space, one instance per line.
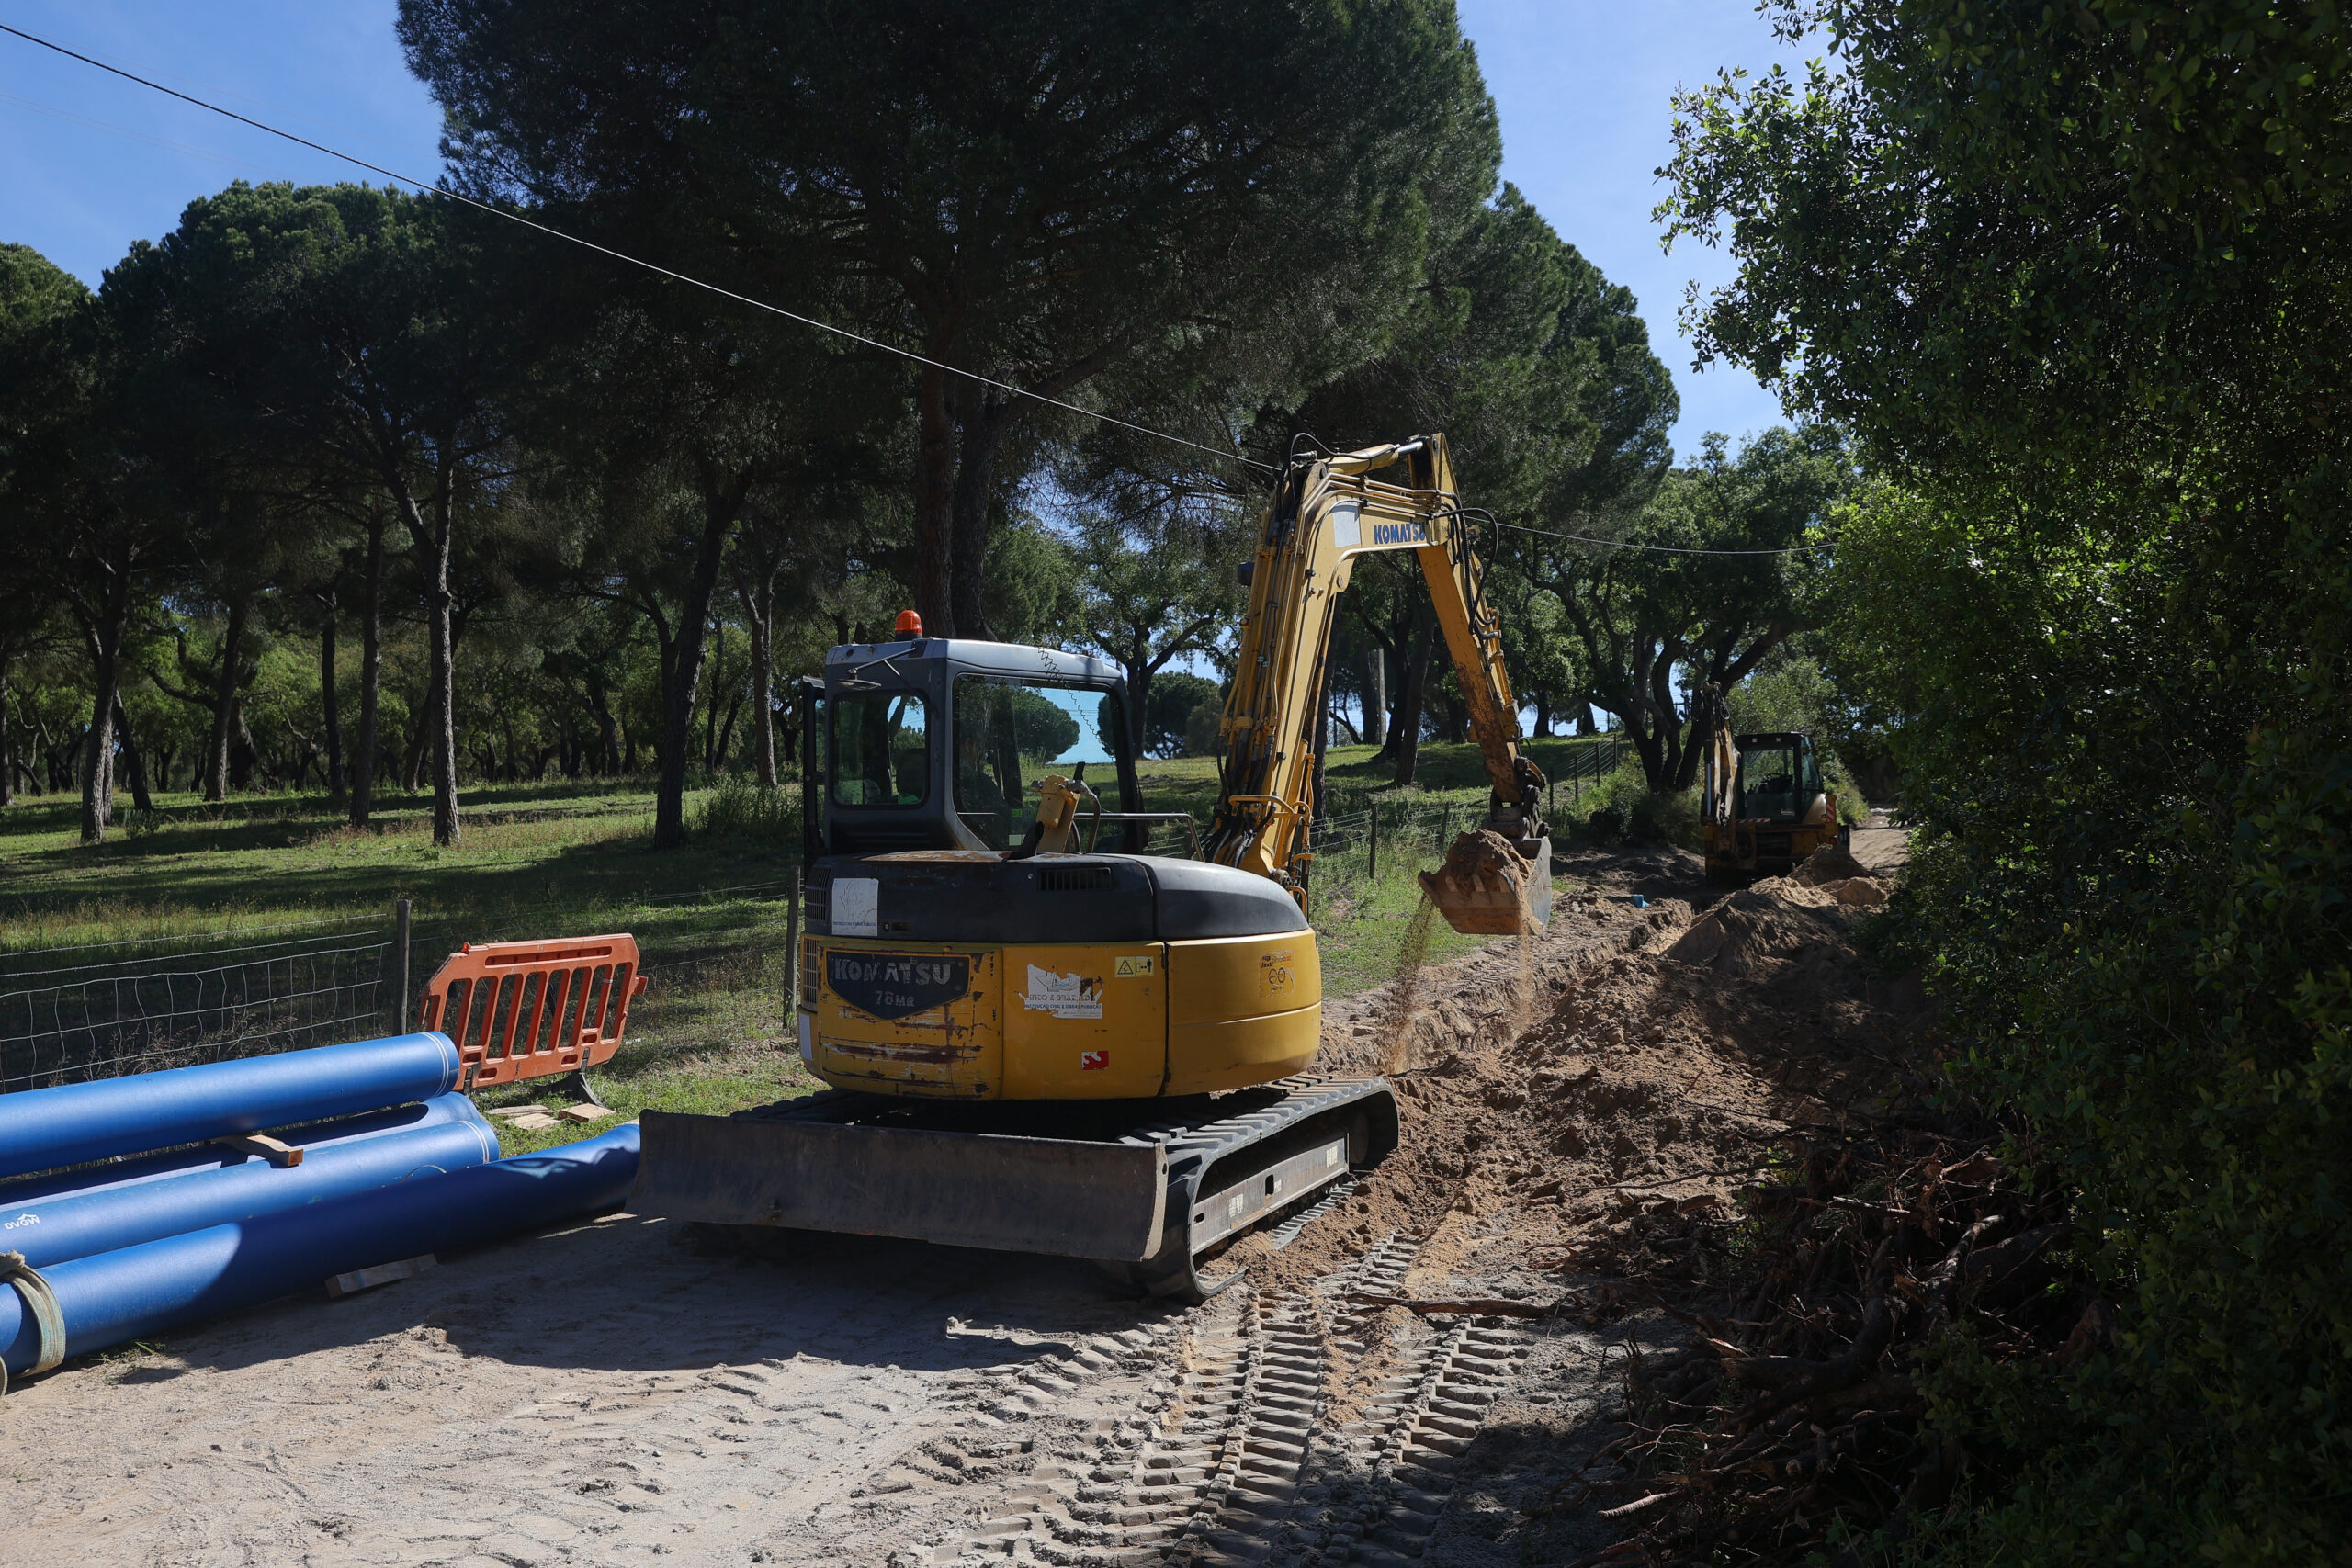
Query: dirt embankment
x=607 y=1395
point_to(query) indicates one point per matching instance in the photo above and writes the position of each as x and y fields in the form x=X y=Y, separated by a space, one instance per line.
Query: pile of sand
x=1642 y=1071
x=1802 y=919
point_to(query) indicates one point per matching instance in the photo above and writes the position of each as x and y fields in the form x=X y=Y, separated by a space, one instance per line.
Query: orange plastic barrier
x=526 y=1009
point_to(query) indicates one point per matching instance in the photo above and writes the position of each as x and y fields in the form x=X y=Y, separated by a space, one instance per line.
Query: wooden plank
x=281 y=1154
x=511 y=1113
x=379 y=1274
x=539 y=1123
x=584 y=1112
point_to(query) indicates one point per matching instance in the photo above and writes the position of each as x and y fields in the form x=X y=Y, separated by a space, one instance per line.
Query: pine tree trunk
x=1375 y=707
x=432 y=549
x=329 y=710
x=984 y=426
x=442 y=740
x=935 y=505
x=371 y=670
x=97 y=755
x=224 y=702
x=685 y=671
x=141 y=796
x=718 y=638
x=1406 y=741
x=759 y=613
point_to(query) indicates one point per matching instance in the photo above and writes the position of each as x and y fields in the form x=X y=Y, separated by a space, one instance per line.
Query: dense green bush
x=2076 y=277
x=736 y=807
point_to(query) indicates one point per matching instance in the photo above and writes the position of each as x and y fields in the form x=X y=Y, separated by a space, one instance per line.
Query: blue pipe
x=201 y=1159
x=144 y=1290
x=42 y=1128
x=336 y=1164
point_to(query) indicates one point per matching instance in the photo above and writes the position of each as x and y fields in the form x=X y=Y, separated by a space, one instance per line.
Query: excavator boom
x=1325 y=515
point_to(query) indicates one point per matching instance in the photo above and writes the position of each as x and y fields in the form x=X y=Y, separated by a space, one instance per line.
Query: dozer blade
x=1067 y=1197
x=1487 y=887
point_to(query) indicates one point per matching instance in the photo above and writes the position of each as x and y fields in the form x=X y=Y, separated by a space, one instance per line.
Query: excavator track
x=1150 y=1203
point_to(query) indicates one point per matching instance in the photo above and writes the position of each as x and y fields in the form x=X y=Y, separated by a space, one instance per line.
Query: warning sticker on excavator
x=1064 y=996
x=1130 y=967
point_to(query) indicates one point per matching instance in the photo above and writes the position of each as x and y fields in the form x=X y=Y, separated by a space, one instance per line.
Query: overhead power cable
x=1660 y=550
x=607 y=250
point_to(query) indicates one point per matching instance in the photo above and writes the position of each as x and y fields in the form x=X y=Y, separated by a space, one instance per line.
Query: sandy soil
x=606 y=1394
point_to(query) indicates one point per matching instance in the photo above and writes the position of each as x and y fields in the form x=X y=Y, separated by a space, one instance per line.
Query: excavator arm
x=1325 y=515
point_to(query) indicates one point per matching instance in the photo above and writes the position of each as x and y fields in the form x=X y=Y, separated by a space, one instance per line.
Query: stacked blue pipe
x=132 y=1244
x=144 y=1290
x=44 y=1128
x=58 y=1217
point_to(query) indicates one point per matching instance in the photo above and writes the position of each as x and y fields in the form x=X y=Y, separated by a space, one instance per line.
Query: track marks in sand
x=1294 y=1429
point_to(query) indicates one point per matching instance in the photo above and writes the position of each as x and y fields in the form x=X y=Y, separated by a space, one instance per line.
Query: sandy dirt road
x=606 y=1394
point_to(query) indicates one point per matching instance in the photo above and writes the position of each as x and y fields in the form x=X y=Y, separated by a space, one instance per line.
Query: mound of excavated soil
x=1828 y=864
x=1659 y=1053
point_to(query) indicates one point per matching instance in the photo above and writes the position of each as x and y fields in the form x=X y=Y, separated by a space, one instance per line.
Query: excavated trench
x=1387 y=1383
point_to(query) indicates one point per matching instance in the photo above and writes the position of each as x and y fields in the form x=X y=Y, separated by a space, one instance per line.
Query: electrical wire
x=1656 y=549
x=633 y=261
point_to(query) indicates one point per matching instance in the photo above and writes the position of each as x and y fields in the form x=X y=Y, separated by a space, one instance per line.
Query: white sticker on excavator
x=1064 y=996
x=1346 y=532
x=856 y=906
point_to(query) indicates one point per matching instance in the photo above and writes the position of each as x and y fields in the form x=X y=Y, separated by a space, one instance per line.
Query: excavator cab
x=934 y=743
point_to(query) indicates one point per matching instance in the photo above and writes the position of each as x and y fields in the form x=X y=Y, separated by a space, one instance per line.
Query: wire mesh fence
x=167 y=1003
x=101 y=1010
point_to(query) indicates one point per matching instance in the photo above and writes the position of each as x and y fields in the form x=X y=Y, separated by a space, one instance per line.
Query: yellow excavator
x=1763 y=805
x=1037 y=1037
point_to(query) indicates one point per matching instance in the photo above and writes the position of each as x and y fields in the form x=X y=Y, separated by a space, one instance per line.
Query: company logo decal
x=1064 y=996
x=21 y=1222
x=1399 y=534
x=897 y=985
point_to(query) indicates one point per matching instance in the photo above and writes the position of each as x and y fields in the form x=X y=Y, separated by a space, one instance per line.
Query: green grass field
x=567 y=858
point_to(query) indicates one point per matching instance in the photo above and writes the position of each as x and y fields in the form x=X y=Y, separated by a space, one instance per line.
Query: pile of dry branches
x=1792 y=1418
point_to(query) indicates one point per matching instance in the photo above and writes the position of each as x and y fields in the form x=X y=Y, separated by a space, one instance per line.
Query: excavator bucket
x=1067 y=1196
x=1487 y=887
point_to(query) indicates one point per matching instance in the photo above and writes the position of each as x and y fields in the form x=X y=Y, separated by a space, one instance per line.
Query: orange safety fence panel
x=527 y=1010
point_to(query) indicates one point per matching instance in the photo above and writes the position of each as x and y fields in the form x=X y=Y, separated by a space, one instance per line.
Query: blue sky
x=92 y=163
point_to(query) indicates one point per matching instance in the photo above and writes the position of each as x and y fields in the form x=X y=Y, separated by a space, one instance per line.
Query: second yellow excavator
x=1040 y=1039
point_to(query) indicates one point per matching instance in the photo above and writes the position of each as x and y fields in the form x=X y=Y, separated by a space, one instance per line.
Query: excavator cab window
x=1778 y=778
x=1011 y=733
x=881 y=749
